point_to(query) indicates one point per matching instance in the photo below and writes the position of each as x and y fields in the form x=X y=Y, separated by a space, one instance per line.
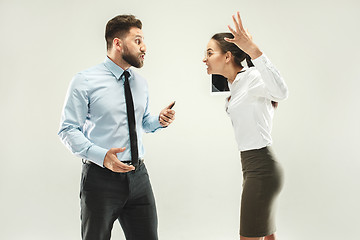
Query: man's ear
x=118 y=44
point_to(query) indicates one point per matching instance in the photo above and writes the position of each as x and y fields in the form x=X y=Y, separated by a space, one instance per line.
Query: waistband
x=141 y=161
x=255 y=151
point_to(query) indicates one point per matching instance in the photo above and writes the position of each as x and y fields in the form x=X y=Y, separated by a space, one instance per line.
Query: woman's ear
x=228 y=56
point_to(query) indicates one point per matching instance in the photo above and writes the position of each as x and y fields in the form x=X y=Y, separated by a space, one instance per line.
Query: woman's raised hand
x=243 y=39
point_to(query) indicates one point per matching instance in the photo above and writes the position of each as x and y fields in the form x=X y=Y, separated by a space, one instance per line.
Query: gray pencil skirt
x=262 y=182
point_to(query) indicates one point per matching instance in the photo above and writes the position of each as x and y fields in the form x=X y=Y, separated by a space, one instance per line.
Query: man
x=105 y=113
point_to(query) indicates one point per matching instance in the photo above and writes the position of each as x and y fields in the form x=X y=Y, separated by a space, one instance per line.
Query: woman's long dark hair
x=238 y=54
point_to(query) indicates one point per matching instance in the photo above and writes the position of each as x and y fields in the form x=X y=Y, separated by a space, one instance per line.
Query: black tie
x=131 y=120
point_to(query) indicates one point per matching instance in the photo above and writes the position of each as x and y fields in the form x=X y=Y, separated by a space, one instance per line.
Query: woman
x=254 y=93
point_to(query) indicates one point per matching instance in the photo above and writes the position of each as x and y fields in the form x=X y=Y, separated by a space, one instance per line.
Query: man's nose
x=143 y=48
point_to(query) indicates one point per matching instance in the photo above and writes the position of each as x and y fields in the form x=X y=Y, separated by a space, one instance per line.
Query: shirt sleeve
x=73 y=118
x=150 y=123
x=274 y=86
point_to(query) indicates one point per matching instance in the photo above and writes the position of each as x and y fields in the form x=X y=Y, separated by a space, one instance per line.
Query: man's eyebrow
x=139 y=36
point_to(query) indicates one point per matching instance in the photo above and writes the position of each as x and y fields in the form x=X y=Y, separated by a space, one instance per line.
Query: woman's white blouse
x=249 y=106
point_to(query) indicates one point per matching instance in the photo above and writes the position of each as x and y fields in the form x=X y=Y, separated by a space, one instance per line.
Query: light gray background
x=194 y=165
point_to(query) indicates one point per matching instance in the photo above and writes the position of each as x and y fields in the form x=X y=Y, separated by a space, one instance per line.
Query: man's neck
x=118 y=61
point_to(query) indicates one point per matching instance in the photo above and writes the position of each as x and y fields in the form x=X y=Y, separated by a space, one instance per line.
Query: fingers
x=241 y=36
x=166 y=122
x=240 y=22
x=237 y=27
x=166 y=117
x=248 y=34
x=114 y=164
x=229 y=40
x=117 y=150
x=232 y=30
x=233 y=33
x=119 y=166
x=168 y=113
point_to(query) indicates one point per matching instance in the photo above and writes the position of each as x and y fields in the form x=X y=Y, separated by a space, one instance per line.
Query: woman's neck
x=232 y=72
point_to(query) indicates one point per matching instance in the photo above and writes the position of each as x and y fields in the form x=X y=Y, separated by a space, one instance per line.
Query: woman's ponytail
x=248 y=61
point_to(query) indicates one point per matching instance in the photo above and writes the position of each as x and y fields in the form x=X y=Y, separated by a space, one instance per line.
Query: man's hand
x=167 y=115
x=114 y=164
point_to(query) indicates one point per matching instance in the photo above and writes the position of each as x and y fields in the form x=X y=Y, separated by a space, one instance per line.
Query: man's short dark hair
x=119 y=26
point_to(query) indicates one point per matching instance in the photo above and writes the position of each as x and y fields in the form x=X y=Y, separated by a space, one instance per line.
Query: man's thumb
x=171 y=105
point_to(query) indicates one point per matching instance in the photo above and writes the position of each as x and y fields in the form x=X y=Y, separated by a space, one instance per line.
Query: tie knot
x=126 y=75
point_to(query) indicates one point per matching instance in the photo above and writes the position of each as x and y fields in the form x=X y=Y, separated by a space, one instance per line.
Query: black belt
x=141 y=161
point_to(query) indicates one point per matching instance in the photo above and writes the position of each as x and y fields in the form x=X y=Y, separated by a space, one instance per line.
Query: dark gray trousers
x=107 y=196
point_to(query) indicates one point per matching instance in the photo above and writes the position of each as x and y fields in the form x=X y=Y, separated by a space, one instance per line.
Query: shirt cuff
x=157 y=124
x=261 y=62
x=97 y=154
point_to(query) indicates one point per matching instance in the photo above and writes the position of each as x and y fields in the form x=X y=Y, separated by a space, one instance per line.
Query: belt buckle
x=140 y=162
x=127 y=162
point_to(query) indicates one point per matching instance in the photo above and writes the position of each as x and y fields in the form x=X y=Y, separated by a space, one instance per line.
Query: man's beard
x=132 y=59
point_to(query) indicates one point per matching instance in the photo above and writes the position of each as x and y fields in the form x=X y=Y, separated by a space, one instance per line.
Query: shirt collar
x=238 y=76
x=115 y=69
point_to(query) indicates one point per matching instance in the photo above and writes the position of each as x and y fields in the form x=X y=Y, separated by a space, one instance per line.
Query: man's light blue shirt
x=94 y=117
